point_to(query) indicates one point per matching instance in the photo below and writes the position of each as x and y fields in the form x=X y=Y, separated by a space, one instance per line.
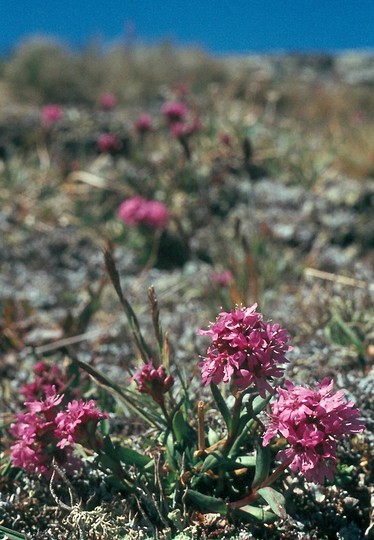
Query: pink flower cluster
x=244 y=349
x=51 y=114
x=107 y=101
x=140 y=211
x=183 y=130
x=45 y=377
x=45 y=432
x=312 y=422
x=143 y=124
x=77 y=423
x=174 y=111
x=222 y=279
x=153 y=381
x=109 y=143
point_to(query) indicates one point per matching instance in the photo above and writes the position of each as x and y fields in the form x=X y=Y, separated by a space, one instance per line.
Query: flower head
x=180 y=130
x=34 y=434
x=138 y=210
x=154 y=382
x=312 y=422
x=222 y=279
x=47 y=406
x=46 y=431
x=143 y=124
x=46 y=376
x=107 y=101
x=51 y=114
x=77 y=422
x=174 y=111
x=109 y=143
x=244 y=349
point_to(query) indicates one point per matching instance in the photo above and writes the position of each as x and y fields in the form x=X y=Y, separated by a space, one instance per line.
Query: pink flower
x=107 y=101
x=222 y=279
x=46 y=376
x=225 y=139
x=34 y=431
x=157 y=215
x=244 y=349
x=29 y=456
x=153 y=381
x=181 y=130
x=45 y=432
x=138 y=210
x=143 y=124
x=132 y=211
x=312 y=422
x=51 y=114
x=174 y=111
x=110 y=143
x=46 y=406
x=77 y=422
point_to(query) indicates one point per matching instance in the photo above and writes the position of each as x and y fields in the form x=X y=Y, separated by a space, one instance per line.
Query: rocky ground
x=299 y=245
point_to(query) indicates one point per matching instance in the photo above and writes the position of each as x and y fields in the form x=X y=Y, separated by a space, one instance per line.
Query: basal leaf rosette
x=312 y=422
x=245 y=350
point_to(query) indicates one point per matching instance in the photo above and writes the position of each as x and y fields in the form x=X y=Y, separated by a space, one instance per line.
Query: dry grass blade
x=337 y=278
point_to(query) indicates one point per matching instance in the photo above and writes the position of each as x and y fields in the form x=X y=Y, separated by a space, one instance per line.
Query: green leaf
x=131 y=457
x=170 y=452
x=222 y=407
x=348 y=337
x=246 y=461
x=213 y=436
x=207 y=503
x=263 y=455
x=11 y=535
x=250 y=513
x=247 y=421
x=105 y=427
x=260 y=403
x=211 y=461
x=109 y=460
x=275 y=500
x=180 y=427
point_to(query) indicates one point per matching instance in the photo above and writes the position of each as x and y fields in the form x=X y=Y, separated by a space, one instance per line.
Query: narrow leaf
x=170 y=452
x=211 y=461
x=113 y=387
x=248 y=421
x=222 y=407
x=260 y=403
x=250 y=513
x=131 y=457
x=105 y=427
x=213 y=436
x=180 y=427
x=263 y=455
x=207 y=503
x=111 y=268
x=10 y=534
x=275 y=500
x=246 y=461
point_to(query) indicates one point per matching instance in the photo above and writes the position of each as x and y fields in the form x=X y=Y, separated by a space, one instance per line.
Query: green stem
x=235 y=422
x=161 y=402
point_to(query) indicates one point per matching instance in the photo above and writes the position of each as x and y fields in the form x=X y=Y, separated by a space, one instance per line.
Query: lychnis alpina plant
x=227 y=465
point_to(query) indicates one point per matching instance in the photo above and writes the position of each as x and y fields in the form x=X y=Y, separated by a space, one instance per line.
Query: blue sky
x=237 y=26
